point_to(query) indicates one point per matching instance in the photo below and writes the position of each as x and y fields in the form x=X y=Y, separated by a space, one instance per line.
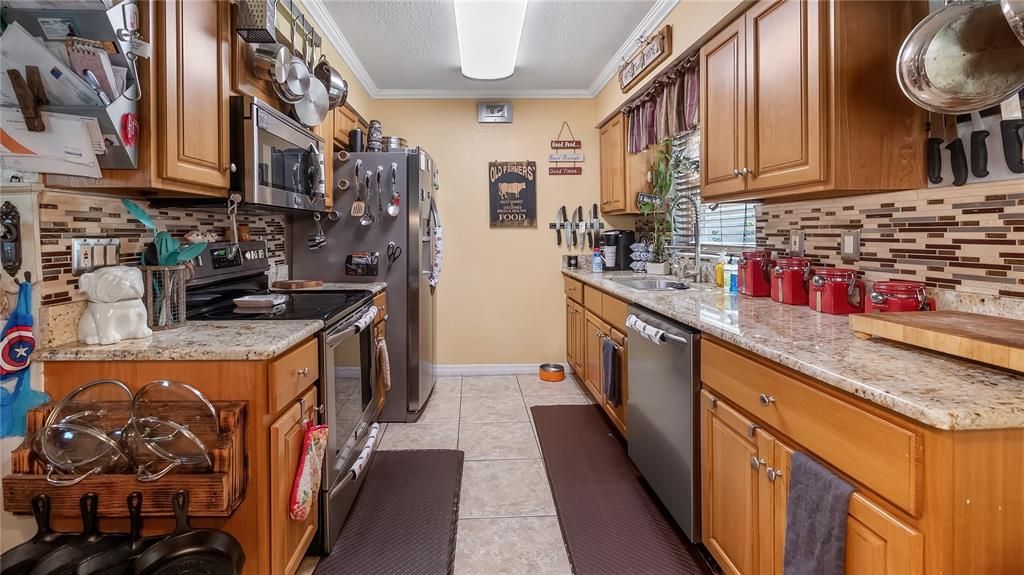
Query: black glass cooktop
x=325 y=306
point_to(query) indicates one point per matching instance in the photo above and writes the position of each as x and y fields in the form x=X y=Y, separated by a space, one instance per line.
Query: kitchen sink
x=651 y=285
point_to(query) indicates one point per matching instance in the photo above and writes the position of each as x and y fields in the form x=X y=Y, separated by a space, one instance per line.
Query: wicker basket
x=165 y=295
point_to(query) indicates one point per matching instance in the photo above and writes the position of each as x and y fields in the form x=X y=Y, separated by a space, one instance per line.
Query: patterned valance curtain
x=668 y=108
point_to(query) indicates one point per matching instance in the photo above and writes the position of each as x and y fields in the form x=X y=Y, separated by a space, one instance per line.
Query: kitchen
x=673 y=412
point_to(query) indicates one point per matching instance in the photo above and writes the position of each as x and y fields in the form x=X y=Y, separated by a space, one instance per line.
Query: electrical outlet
x=796 y=243
x=88 y=254
x=850 y=247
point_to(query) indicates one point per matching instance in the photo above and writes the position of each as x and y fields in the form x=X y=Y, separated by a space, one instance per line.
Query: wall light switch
x=88 y=254
x=796 y=243
x=850 y=245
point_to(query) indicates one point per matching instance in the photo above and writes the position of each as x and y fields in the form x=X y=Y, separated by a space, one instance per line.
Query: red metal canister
x=899 y=295
x=755 y=273
x=836 y=291
x=790 y=277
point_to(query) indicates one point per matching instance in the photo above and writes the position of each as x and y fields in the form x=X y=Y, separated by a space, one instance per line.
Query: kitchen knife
x=595 y=226
x=957 y=157
x=1010 y=130
x=559 y=222
x=979 y=150
x=934 y=156
x=572 y=243
x=578 y=218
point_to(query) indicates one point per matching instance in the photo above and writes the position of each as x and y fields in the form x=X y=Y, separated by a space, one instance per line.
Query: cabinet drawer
x=574 y=290
x=593 y=300
x=380 y=301
x=881 y=455
x=292 y=373
x=614 y=311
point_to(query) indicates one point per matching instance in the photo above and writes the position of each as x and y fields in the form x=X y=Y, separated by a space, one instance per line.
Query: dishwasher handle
x=652 y=333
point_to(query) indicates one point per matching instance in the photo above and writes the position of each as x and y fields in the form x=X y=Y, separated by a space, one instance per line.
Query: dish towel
x=364 y=455
x=610 y=364
x=644 y=329
x=384 y=362
x=435 y=270
x=816 y=511
x=367 y=319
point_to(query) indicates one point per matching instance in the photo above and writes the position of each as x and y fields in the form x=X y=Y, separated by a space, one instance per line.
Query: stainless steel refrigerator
x=411 y=268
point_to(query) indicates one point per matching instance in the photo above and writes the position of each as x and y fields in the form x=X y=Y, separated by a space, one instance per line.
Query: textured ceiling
x=410 y=47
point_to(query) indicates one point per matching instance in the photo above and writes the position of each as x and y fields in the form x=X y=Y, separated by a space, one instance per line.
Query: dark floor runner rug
x=611 y=522
x=404 y=519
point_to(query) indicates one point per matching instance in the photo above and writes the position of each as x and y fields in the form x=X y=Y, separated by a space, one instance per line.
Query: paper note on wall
x=65 y=147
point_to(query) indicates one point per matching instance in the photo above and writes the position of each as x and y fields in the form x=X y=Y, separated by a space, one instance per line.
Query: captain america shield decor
x=16 y=348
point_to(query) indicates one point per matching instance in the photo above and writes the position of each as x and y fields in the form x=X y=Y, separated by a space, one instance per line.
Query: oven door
x=353 y=397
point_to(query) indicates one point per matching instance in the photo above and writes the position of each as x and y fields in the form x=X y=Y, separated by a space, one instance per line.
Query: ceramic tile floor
x=507 y=521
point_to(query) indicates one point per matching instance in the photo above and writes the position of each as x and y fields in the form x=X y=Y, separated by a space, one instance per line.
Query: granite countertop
x=934 y=389
x=196 y=341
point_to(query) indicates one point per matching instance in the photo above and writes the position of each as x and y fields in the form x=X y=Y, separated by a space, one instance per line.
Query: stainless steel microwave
x=277 y=161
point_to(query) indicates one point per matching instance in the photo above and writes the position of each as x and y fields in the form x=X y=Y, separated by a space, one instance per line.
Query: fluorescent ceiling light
x=489 y=33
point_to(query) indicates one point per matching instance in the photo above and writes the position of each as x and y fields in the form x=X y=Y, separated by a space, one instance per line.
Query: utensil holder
x=165 y=295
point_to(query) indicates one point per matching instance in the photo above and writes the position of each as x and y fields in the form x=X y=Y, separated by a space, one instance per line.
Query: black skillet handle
x=41 y=511
x=90 y=504
x=934 y=160
x=958 y=159
x=1010 y=131
x=979 y=154
x=181 y=511
x=135 y=514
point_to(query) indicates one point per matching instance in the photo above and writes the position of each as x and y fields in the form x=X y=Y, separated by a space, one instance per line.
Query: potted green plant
x=657 y=204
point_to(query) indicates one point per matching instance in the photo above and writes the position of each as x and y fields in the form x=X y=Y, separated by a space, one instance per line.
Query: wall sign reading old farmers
x=513 y=190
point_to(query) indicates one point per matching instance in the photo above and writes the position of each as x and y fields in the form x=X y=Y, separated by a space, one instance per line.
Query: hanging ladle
x=393 y=205
x=367 y=217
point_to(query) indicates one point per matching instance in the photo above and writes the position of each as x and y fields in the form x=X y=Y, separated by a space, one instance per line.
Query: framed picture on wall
x=513 y=194
x=494 y=112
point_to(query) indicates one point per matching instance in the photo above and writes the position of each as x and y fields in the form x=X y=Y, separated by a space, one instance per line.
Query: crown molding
x=654 y=17
x=317 y=11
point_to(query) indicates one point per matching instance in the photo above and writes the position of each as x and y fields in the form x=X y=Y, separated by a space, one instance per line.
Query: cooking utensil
x=380 y=205
x=577 y=218
x=158 y=441
x=255 y=22
x=313 y=107
x=595 y=226
x=297 y=79
x=191 y=550
x=118 y=560
x=559 y=224
x=296 y=284
x=394 y=205
x=957 y=156
x=963 y=57
x=271 y=61
x=367 y=218
x=318 y=239
x=1010 y=131
x=979 y=150
x=19 y=560
x=358 y=206
x=1013 y=11
x=934 y=155
x=337 y=87
x=64 y=559
x=140 y=214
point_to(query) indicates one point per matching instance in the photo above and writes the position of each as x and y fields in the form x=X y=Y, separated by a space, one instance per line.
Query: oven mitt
x=307 y=478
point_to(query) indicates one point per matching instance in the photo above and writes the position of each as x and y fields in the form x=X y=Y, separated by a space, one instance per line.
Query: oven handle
x=365 y=321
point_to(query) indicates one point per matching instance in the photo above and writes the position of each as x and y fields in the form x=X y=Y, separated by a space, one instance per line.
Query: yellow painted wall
x=690 y=20
x=500 y=299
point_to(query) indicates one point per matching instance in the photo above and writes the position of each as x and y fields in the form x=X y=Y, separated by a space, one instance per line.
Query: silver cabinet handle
x=737 y=173
x=303 y=371
x=766 y=399
x=744 y=171
x=756 y=462
x=772 y=473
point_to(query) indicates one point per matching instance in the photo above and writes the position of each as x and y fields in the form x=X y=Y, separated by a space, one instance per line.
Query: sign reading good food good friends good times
x=513 y=191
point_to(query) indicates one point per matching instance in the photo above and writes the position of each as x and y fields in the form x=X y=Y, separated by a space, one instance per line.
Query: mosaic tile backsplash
x=64 y=216
x=968 y=239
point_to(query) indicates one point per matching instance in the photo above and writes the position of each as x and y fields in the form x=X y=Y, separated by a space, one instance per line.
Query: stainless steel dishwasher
x=664 y=386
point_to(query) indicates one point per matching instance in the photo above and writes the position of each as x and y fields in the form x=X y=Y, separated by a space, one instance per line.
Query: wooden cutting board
x=984 y=338
x=297 y=284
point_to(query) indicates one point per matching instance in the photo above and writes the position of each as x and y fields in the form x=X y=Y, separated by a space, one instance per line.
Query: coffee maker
x=616 y=249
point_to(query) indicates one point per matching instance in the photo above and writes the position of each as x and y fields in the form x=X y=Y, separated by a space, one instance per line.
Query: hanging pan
x=964 y=57
x=191 y=550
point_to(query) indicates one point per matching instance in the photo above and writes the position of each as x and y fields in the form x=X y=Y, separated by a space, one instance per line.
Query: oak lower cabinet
x=795 y=99
x=596 y=331
x=926 y=501
x=289 y=539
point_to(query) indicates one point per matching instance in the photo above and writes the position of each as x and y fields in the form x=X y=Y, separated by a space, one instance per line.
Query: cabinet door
x=638 y=166
x=595 y=332
x=326 y=131
x=570 y=328
x=618 y=413
x=785 y=128
x=729 y=486
x=193 y=89
x=344 y=121
x=877 y=543
x=289 y=538
x=723 y=111
x=580 y=339
x=613 y=151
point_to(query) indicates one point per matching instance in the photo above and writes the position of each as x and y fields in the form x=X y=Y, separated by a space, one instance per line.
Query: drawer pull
x=766 y=399
x=302 y=371
x=772 y=473
x=756 y=463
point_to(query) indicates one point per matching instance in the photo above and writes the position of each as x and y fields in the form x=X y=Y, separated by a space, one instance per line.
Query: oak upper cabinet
x=729 y=486
x=638 y=168
x=289 y=538
x=613 y=178
x=797 y=99
x=326 y=131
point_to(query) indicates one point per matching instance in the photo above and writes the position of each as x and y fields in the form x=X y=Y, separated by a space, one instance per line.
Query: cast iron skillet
x=191 y=551
x=118 y=561
x=62 y=560
x=19 y=560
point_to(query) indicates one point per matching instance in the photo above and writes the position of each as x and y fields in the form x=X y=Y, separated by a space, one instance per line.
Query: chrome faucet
x=678 y=267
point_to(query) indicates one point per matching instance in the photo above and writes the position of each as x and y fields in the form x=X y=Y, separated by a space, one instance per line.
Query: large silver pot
x=337 y=87
x=965 y=57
